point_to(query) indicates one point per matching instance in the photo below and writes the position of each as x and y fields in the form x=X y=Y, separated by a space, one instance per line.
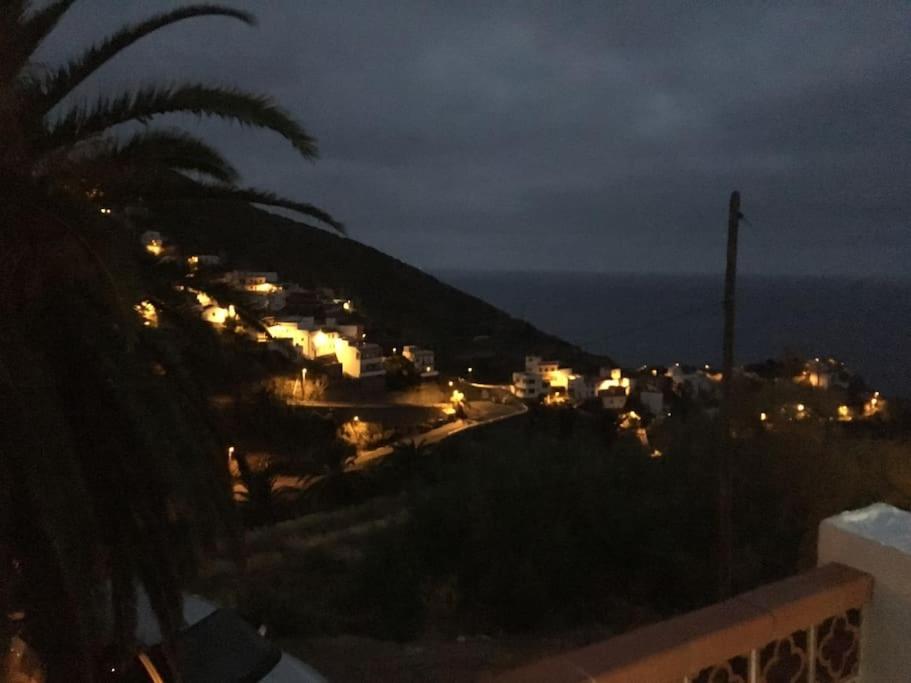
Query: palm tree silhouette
x=111 y=473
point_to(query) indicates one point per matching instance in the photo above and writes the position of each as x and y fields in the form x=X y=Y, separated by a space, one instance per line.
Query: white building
x=216 y=315
x=614 y=380
x=825 y=373
x=319 y=343
x=203 y=261
x=579 y=388
x=267 y=293
x=613 y=398
x=422 y=359
x=545 y=368
x=529 y=385
x=550 y=377
x=696 y=382
x=360 y=359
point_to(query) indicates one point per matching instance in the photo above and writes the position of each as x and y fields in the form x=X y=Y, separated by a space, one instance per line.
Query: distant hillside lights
x=875 y=406
x=147 y=311
x=152 y=242
x=615 y=380
x=197 y=261
x=211 y=311
x=422 y=359
x=825 y=373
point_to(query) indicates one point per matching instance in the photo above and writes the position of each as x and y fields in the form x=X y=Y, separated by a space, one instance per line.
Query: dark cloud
x=587 y=135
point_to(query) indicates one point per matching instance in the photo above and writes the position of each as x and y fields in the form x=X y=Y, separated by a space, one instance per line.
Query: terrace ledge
x=671 y=650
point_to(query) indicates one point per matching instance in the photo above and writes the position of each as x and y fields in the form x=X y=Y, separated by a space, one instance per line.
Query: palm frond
x=171 y=149
x=207 y=192
x=142 y=105
x=64 y=79
x=32 y=30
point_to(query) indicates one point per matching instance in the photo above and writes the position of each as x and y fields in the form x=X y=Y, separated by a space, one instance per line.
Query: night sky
x=598 y=136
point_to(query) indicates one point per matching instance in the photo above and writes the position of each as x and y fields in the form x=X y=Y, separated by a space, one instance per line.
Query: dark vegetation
x=543 y=525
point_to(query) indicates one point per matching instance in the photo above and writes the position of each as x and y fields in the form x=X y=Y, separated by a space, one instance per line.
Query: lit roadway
x=483 y=413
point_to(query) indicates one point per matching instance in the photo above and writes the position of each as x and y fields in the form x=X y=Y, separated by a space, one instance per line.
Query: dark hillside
x=404 y=304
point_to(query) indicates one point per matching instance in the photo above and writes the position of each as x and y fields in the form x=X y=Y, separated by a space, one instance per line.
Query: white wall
x=877 y=540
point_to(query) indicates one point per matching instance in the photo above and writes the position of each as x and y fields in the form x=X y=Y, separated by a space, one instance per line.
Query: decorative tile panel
x=786 y=660
x=838 y=648
x=736 y=670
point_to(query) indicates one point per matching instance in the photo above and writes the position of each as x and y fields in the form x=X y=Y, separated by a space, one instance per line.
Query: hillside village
x=301 y=324
x=646 y=395
x=326 y=336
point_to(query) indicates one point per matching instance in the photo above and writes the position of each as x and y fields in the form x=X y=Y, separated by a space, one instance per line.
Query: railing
x=804 y=629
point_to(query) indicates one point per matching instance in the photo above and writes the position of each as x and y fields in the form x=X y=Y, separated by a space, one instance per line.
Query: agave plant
x=110 y=476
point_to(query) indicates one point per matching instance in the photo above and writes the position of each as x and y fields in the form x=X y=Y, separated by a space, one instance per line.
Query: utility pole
x=725 y=472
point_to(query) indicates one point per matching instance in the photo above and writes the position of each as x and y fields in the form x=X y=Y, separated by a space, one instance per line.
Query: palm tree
x=111 y=475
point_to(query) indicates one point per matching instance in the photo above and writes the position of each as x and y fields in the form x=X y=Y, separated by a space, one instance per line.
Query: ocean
x=640 y=318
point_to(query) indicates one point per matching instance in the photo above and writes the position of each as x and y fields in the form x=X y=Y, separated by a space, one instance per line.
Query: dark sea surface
x=639 y=319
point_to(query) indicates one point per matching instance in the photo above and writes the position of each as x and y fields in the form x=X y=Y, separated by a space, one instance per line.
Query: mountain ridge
x=403 y=303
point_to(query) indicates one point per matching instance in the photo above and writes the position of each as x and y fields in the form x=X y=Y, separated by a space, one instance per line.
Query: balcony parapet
x=801 y=629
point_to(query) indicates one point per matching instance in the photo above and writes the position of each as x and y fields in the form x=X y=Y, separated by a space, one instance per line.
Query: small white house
x=529 y=385
x=614 y=380
x=613 y=398
x=254 y=281
x=319 y=343
x=578 y=388
x=203 y=261
x=422 y=359
x=692 y=380
x=825 y=373
x=360 y=359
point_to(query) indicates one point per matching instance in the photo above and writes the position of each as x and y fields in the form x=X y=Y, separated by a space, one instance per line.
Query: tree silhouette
x=111 y=474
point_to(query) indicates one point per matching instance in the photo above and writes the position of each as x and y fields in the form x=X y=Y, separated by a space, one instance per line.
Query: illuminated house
x=692 y=380
x=216 y=315
x=613 y=398
x=203 y=261
x=550 y=371
x=263 y=286
x=360 y=359
x=542 y=377
x=529 y=385
x=613 y=381
x=256 y=282
x=876 y=405
x=347 y=328
x=423 y=360
x=577 y=387
x=545 y=368
x=824 y=373
x=318 y=343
